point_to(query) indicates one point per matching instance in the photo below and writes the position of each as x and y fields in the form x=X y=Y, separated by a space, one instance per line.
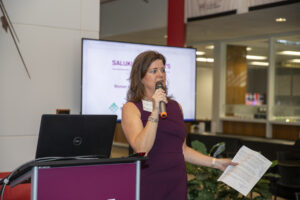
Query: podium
x=105 y=179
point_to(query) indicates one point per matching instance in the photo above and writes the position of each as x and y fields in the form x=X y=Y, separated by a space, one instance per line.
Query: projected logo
x=113 y=108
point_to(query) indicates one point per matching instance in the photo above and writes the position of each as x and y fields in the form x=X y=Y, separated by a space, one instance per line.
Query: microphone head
x=159 y=84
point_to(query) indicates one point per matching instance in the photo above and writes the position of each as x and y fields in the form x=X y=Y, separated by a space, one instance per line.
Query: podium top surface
x=71 y=161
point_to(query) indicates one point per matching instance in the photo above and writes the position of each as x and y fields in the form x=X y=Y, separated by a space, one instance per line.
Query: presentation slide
x=106 y=67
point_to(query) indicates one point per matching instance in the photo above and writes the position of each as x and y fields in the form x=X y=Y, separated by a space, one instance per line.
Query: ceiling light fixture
x=291 y=65
x=249 y=49
x=280 y=19
x=202 y=59
x=210 y=47
x=200 y=53
x=295 y=61
x=254 y=57
x=290 y=53
x=259 y=63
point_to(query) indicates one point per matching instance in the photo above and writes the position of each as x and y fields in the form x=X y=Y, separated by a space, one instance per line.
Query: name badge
x=147 y=105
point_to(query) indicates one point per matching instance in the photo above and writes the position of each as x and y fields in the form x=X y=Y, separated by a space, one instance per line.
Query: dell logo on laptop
x=77 y=141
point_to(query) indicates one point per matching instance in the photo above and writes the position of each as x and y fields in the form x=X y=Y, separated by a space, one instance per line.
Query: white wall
x=50 y=33
x=127 y=16
x=204 y=93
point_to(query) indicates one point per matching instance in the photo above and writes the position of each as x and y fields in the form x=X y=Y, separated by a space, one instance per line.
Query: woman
x=163 y=175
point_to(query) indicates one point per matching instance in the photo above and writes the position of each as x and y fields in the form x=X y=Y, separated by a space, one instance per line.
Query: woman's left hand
x=222 y=163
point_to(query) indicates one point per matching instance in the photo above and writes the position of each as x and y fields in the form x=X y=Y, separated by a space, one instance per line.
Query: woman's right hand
x=158 y=96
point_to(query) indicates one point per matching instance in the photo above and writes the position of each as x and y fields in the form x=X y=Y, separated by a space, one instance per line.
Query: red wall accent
x=176 y=26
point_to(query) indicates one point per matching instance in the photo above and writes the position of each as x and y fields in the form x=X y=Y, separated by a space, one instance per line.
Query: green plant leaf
x=199 y=146
x=204 y=184
x=191 y=169
x=274 y=163
x=271 y=175
x=217 y=149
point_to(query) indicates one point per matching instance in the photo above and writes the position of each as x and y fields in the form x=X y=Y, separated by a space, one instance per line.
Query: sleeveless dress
x=163 y=175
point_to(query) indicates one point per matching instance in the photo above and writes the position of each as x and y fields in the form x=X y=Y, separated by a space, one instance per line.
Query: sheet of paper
x=252 y=166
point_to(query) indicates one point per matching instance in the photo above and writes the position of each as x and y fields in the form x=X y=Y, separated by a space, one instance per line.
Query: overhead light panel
x=248 y=48
x=290 y=53
x=259 y=63
x=295 y=61
x=200 y=53
x=280 y=19
x=202 y=59
x=210 y=47
x=254 y=57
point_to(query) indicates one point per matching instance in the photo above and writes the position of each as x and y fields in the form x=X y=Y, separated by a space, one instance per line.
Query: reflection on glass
x=287 y=79
x=246 y=79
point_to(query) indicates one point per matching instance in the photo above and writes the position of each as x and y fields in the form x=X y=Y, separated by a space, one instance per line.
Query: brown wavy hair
x=139 y=68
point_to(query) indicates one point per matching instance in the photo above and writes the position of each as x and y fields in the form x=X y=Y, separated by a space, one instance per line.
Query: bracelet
x=152 y=119
x=213 y=162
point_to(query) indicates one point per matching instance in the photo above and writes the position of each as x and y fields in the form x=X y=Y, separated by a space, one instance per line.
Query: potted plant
x=203 y=184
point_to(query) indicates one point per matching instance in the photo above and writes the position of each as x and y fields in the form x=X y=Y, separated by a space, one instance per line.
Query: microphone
x=162 y=105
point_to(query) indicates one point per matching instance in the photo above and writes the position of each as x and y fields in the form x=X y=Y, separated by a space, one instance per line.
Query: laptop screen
x=76 y=135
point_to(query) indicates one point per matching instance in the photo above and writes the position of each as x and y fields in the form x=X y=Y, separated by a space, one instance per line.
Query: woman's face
x=156 y=72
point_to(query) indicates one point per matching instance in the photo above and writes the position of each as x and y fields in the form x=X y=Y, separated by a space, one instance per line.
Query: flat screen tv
x=106 y=67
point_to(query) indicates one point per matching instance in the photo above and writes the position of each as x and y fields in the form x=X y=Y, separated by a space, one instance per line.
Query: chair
x=20 y=192
x=297 y=194
x=297 y=145
x=288 y=185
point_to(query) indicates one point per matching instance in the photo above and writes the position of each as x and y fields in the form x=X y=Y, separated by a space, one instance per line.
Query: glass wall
x=205 y=61
x=262 y=87
x=246 y=79
x=287 y=79
x=247 y=68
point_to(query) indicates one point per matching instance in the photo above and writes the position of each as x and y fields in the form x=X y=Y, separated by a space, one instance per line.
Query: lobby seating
x=287 y=154
x=19 y=192
x=288 y=185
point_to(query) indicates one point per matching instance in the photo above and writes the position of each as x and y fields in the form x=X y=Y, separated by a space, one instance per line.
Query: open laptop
x=76 y=136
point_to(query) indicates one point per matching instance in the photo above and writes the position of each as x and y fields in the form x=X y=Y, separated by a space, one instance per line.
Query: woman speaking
x=163 y=175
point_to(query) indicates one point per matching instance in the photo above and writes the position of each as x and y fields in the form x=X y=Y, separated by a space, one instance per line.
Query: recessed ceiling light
x=291 y=53
x=259 y=63
x=209 y=47
x=202 y=59
x=200 y=53
x=280 y=19
x=295 y=61
x=253 y=57
x=291 y=65
x=248 y=48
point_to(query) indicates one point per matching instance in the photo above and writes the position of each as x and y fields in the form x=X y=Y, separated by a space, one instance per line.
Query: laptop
x=76 y=136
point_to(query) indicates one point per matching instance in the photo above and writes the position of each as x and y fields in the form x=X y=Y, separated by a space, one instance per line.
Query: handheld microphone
x=162 y=105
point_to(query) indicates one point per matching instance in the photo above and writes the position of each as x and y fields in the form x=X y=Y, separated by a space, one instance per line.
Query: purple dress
x=163 y=175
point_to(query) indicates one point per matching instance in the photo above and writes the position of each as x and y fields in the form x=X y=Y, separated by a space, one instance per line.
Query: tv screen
x=106 y=67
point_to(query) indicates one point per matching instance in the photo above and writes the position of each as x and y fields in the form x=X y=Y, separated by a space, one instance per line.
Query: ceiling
x=253 y=23
x=250 y=29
